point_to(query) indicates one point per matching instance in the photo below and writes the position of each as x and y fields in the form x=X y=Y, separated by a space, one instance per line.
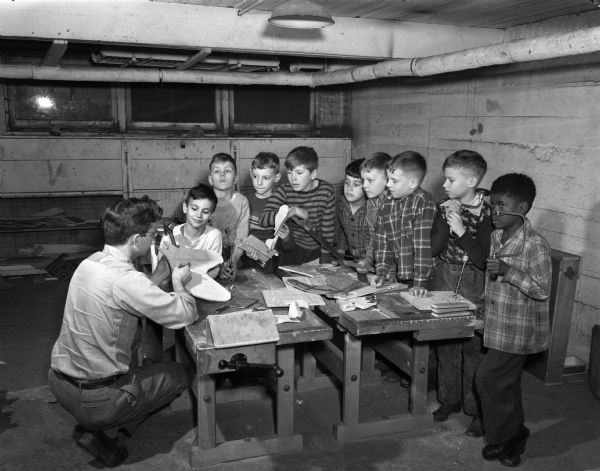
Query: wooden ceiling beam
x=55 y=52
x=188 y=26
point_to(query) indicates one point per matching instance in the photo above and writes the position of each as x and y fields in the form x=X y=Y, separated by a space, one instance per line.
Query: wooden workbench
x=199 y=342
x=407 y=348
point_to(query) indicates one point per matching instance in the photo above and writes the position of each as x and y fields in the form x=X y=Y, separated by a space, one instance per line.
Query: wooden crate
x=549 y=365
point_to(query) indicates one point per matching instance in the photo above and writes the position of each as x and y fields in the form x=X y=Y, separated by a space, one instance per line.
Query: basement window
x=173 y=107
x=57 y=106
x=272 y=109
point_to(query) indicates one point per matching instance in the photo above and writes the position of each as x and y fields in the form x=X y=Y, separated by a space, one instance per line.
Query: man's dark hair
x=515 y=185
x=128 y=217
x=353 y=168
x=202 y=192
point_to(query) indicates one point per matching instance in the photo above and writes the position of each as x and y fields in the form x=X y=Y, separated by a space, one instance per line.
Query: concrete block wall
x=538 y=119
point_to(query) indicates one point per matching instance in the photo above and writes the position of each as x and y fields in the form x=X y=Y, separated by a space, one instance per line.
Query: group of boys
x=387 y=223
x=489 y=252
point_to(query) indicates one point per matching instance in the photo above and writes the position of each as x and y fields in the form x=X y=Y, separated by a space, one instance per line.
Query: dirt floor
x=35 y=432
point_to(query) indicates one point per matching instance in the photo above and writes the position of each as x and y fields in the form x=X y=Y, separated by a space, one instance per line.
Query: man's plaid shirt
x=403 y=235
x=517 y=304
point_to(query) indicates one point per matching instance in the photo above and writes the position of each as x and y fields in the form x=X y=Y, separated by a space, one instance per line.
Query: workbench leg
x=418 y=389
x=285 y=392
x=206 y=411
x=351 y=386
x=309 y=363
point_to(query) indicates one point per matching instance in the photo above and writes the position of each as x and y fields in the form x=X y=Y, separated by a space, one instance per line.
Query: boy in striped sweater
x=311 y=200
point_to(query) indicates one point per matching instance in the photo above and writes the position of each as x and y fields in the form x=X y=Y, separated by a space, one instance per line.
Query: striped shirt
x=320 y=204
x=257 y=207
x=354 y=232
x=403 y=235
x=517 y=304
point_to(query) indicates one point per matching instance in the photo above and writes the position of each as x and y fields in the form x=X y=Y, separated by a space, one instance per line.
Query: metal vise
x=239 y=362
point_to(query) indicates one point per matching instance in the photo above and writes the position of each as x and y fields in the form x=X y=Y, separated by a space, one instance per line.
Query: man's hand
x=455 y=222
x=162 y=272
x=180 y=276
x=418 y=292
x=495 y=266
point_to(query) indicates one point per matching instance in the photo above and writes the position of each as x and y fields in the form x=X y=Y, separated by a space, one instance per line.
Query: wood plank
x=60 y=148
x=419 y=376
x=396 y=424
x=177 y=149
x=168 y=174
x=60 y=176
x=285 y=392
x=397 y=351
x=351 y=380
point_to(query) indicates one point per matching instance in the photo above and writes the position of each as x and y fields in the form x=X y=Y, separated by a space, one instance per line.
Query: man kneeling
x=94 y=371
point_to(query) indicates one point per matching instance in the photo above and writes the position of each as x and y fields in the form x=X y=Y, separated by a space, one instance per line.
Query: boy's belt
x=89 y=383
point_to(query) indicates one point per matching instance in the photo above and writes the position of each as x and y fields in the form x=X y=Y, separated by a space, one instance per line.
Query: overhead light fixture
x=301 y=14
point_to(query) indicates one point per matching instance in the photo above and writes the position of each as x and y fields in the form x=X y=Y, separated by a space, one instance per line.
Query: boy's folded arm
x=534 y=283
x=477 y=249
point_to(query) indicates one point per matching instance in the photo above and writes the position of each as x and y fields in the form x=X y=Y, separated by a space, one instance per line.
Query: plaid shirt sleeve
x=535 y=282
x=423 y=214
x=383 y=231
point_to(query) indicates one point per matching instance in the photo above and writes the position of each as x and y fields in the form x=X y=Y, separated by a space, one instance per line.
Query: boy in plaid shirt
x=352 y=214
x=403 y=233
x=517 y=309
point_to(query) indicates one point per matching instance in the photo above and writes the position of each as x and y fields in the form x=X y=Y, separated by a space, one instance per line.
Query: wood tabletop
x=246 y=289
x=395 y=314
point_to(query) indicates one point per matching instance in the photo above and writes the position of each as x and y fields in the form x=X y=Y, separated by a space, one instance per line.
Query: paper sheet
x=284 y=296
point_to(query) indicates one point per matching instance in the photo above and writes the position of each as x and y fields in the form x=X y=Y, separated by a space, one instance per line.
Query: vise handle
x=239 y=361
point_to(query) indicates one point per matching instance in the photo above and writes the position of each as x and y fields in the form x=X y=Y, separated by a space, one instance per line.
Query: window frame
x=273 y=128
x=215 y=127
x=28 y=125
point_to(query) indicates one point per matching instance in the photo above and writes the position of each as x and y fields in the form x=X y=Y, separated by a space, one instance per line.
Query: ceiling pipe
x=523 y=50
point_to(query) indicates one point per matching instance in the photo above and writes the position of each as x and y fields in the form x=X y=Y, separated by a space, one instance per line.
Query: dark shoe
x=493 y=451
x=475 y=429
x=102 y=448
x=515 y=448
x=442 y=413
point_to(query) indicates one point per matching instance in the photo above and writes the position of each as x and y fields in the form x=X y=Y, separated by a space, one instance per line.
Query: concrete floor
x=35 y=432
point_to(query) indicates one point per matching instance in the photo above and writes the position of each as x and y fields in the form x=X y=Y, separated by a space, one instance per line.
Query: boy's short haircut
x=222 y=157
x=353 y=168
x=202 y=192
x=409 y=162
x=516 y=185
x=302 y=155
x=128 y=217
x=266 y=160
x=469 y=160
x=377 y=161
